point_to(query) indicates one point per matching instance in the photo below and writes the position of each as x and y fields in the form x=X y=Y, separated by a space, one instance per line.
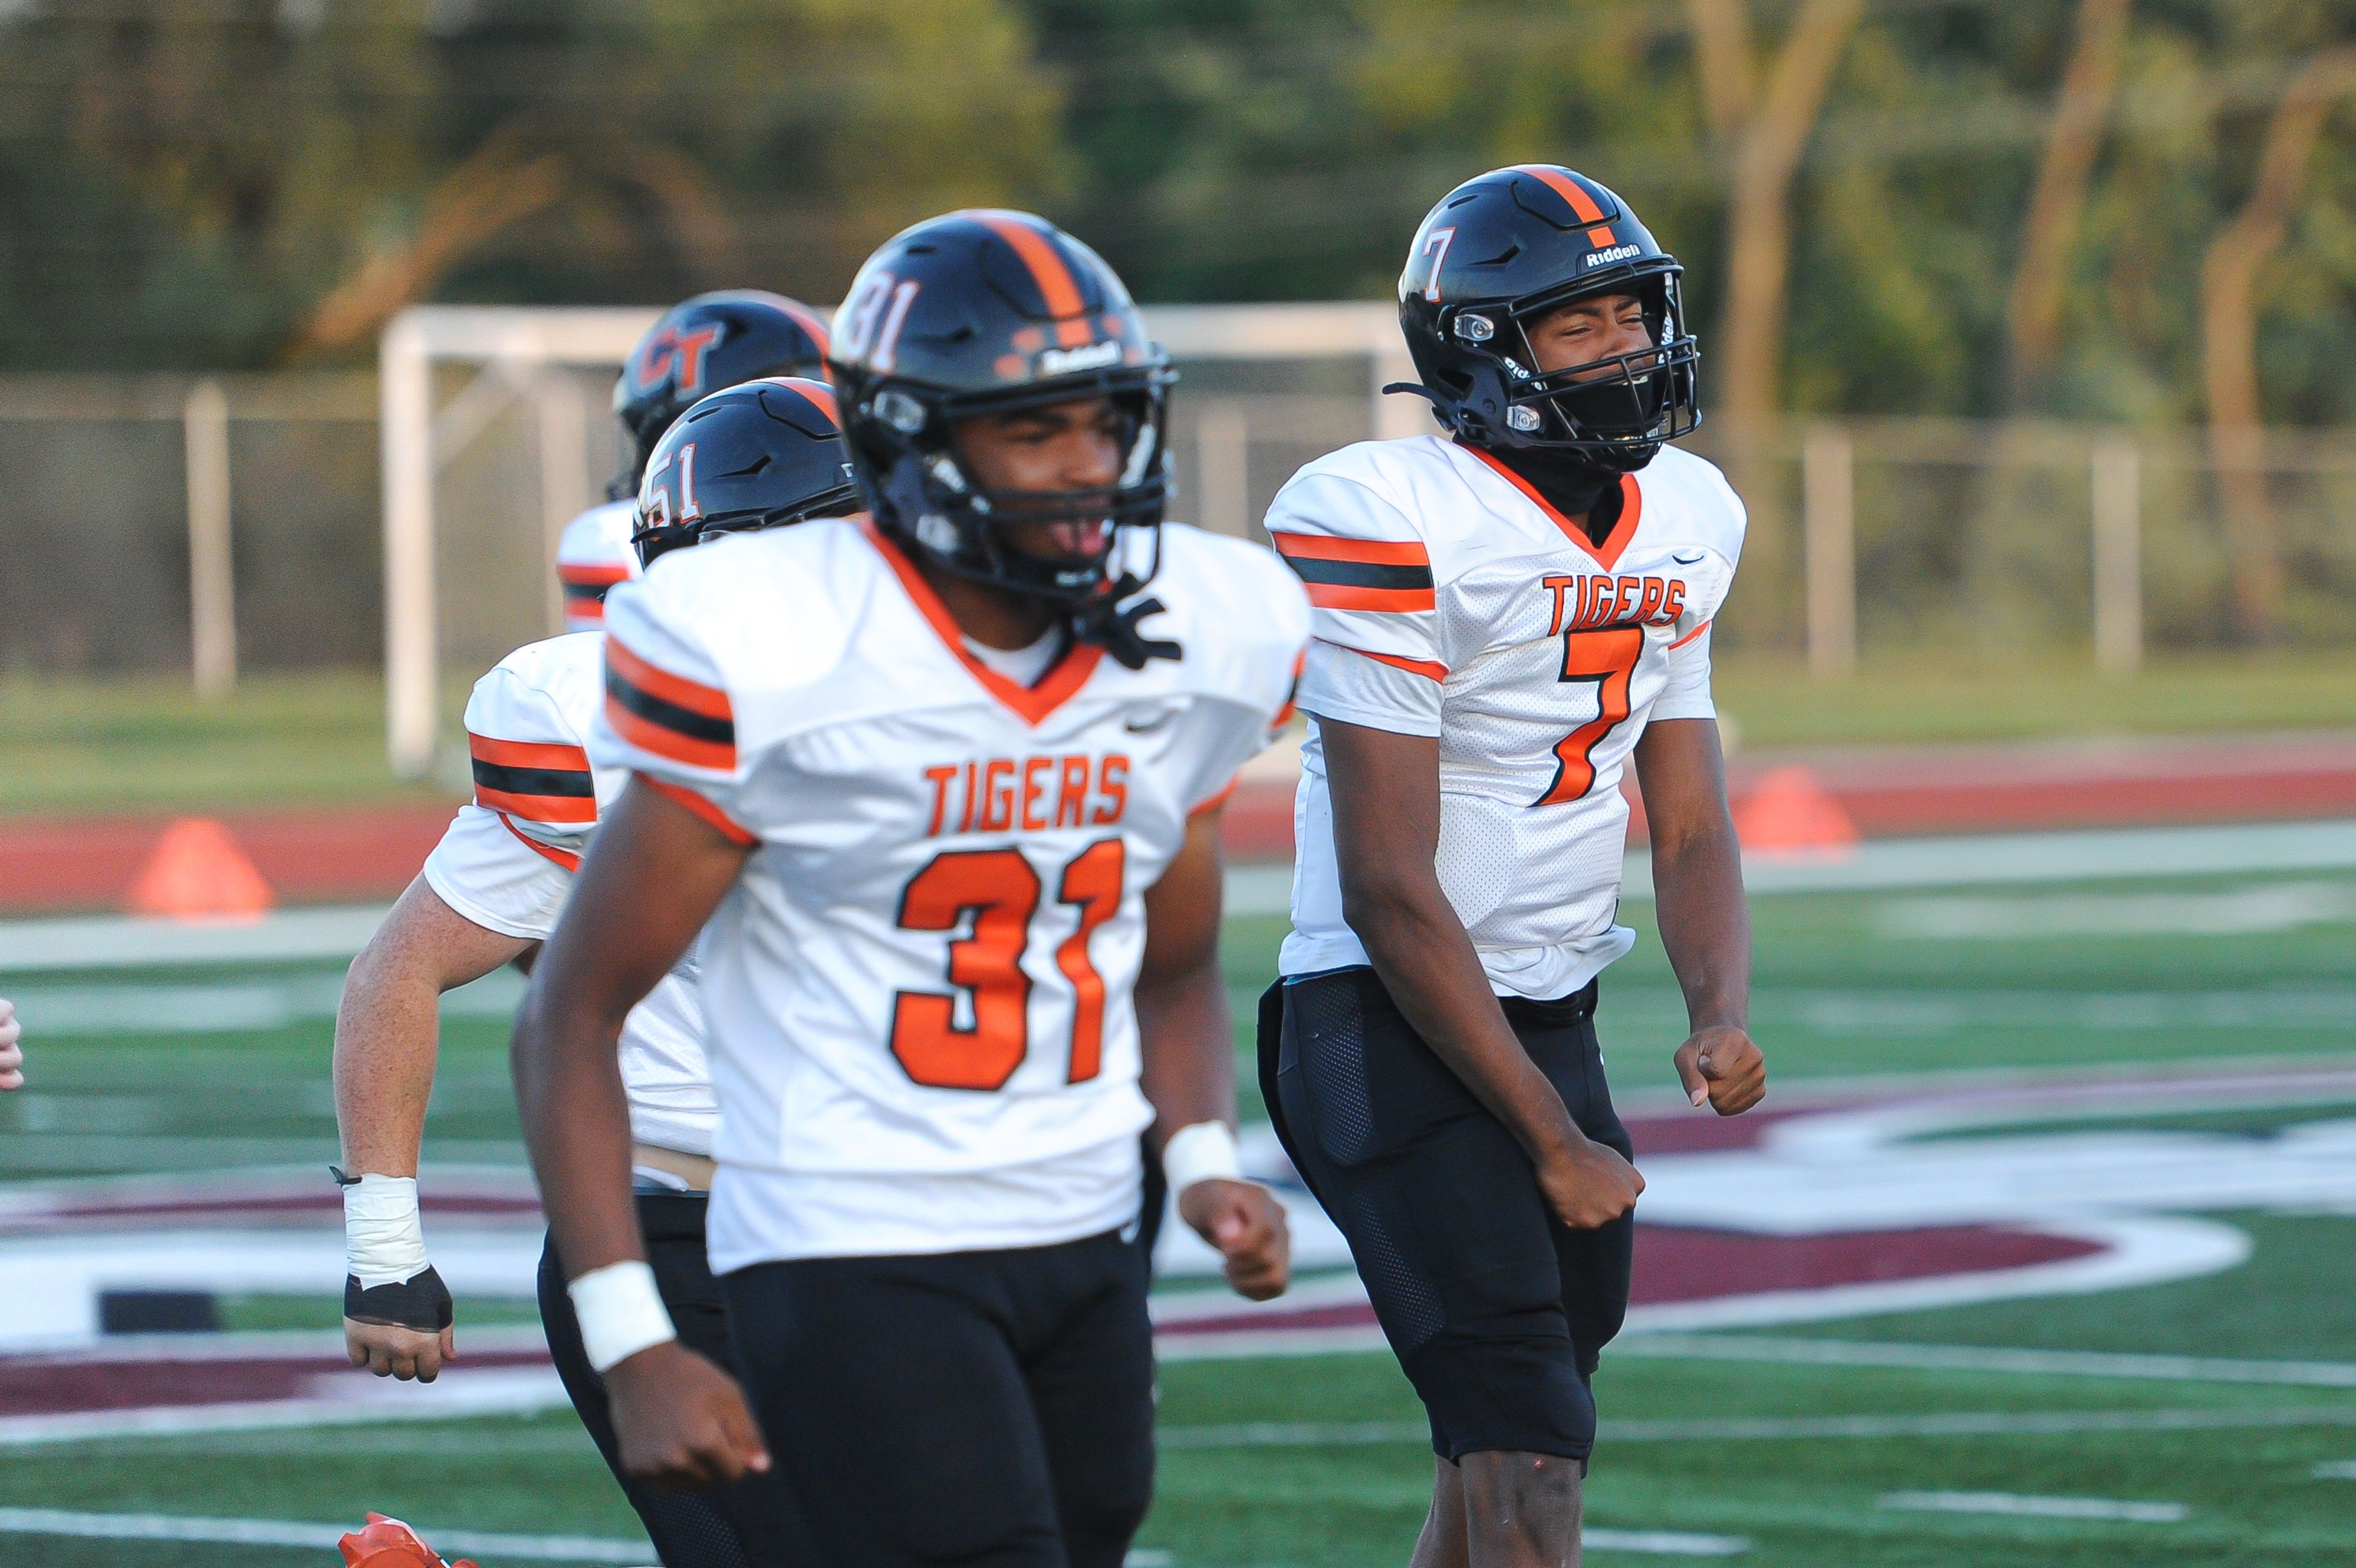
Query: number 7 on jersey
x=1606 y=655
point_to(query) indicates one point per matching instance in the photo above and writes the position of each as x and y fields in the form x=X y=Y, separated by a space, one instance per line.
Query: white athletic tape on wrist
x=383 y=1241
x=620 y=1312
x=1203 y=1152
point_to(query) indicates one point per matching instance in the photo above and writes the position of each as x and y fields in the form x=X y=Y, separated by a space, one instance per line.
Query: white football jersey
x=506 y=862
x=592 y=554
x=1452 y=600
x=919 y=992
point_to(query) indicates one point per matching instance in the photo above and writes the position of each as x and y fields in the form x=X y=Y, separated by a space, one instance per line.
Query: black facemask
x=1571 y=484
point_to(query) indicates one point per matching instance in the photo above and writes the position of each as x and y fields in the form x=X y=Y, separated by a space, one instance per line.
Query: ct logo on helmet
x=670 y=351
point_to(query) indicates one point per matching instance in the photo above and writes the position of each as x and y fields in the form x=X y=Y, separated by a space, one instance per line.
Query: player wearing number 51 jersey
x=1506 y=616
x=949 y=775
x=770 y=454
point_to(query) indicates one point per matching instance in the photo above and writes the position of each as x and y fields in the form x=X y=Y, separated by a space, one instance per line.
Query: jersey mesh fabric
x=1450 y=602
x=920 y=991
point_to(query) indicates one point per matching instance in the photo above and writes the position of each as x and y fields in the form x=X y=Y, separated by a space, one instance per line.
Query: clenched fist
x=1247 y=1224
x=1721 y=1065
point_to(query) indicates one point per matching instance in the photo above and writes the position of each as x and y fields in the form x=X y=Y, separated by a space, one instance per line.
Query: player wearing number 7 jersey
x=1505 y=615
x=951 y=779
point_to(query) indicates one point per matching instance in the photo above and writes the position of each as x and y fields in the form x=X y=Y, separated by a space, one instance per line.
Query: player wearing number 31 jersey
x=920 y=994
x=945 y=780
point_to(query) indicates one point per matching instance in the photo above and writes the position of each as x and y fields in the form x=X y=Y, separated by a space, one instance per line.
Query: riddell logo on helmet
x=1094 y=357
x=1617 y=253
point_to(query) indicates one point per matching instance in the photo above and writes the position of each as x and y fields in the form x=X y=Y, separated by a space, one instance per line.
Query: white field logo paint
x=1833 y=1205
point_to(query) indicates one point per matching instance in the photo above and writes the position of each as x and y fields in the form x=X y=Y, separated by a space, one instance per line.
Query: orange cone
x=389 y=1543
x=1790 y=813
x=199 y=872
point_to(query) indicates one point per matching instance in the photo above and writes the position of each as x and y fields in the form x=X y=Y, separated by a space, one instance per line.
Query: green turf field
x=77 y=746
x=1773 y=1440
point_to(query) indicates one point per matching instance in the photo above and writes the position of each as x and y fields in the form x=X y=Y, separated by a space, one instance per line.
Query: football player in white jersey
x=1504 y=617
x=950 y=781
x=758 y=456
x=699 y=347
x=12 y=1052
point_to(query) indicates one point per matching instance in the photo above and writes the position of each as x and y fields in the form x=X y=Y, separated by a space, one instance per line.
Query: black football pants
x=1496 y=1309
x=986 y=1409
x=751 y=1524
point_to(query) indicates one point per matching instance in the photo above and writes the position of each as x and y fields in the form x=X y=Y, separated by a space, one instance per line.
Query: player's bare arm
x=387 y=1038
x=651 y=879
x=1705 y=922
x=12 y=1051
x=1386 y=794
x=1188 y=1070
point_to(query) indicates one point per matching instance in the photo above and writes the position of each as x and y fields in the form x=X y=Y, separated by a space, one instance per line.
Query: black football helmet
x=712 y=341
x=757 y=455
x=988 y=312
x=1503 y=249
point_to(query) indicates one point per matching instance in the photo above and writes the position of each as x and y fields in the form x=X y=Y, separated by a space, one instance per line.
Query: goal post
x=495 y=432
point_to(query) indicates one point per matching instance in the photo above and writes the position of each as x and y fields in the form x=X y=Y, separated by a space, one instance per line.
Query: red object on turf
x=1790 y=811
x=389 y=1543
x=200 y=871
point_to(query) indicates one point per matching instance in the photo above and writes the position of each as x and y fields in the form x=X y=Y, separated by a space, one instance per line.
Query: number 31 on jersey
x=1001 y=892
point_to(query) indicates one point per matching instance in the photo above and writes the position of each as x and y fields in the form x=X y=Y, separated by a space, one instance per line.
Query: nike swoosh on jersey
x=1148 y=725
x=1683 y=559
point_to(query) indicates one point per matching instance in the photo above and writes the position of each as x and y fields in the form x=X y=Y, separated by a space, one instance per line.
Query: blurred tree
x=177 y=177
x=2057 y=202
x=225 y=182
x=2229 y=277
x=1761 y=110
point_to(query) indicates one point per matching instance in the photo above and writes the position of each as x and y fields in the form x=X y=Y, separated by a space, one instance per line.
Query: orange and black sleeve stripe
x=668 y=715
x=537 y=782
x=586 y=588
x=1360 y=574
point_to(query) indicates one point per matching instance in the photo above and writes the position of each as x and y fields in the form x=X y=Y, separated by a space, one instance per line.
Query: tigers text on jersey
x=919 y=993
x=506 y=862
x=594 y=553
x=1452 y=600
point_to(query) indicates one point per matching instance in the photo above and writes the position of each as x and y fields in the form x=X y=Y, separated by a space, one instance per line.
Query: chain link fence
x=1870 y=539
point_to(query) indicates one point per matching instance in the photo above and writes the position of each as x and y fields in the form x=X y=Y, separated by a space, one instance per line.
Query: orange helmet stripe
x=1049 y=271
x=1572 y=191
x=817 y=394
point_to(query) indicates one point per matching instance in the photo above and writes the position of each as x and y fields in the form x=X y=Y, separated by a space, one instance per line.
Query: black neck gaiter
x=1571 y=484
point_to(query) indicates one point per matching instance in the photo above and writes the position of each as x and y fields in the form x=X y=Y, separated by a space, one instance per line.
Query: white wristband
x=1203 y=1152
x=383 y=1241
x=620 y=1312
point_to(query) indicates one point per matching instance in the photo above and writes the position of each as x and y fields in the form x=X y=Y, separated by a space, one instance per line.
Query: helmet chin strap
x=1116 y=629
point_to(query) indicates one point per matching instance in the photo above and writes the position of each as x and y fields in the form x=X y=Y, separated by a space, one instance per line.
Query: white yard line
x=2020 y=1506
x=240 y=1005
x=1984 y=1358
x=290 y=1533
x=335 y=932
x=1662 y=1543
x=1970 y=859
x=2335 y=1470
x=1786 y=1429
x=113 y=942
x=490 y=1544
